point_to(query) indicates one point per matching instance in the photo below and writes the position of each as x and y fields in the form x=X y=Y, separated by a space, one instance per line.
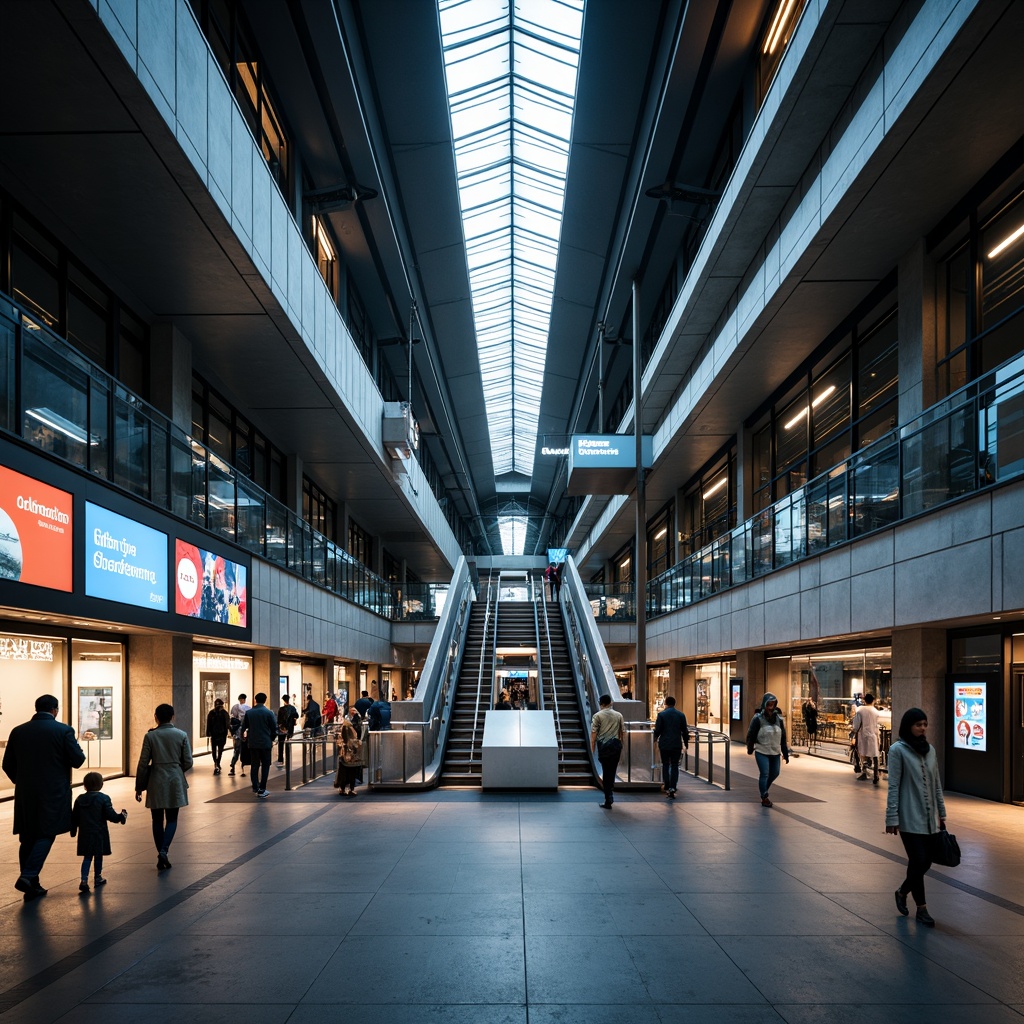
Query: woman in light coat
x=165 y=758
x=915 y=810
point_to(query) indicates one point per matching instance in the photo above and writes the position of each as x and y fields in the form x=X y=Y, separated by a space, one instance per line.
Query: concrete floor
x=468 y=908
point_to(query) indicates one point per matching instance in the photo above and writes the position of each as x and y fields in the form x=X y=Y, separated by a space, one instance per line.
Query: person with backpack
x=766 y=740
x=379 y=715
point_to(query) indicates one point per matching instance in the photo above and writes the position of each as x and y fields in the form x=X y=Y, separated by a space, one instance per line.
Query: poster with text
x=96 y=713
x=35 y=532
x=737 y=708
x=209 y=586
x=970 y=716
x=124 y=560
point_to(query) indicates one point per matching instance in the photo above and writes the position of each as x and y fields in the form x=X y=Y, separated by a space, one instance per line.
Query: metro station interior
x=327 y=326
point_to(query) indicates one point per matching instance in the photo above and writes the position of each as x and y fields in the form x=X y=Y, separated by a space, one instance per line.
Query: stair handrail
x=483 y=654
x=532 y=585
x=551 y=666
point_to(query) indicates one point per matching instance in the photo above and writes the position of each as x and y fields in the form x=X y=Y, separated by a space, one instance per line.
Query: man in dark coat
x=259 y=730
x=38 y=760
x=672 y=734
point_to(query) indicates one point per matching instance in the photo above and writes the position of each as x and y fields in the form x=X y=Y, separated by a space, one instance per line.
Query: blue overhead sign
x=606 y=463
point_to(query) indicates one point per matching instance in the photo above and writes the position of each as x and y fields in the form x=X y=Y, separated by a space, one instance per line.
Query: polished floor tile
x=473 y=908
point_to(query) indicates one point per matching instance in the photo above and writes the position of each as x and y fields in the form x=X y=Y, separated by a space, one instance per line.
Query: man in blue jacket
x=38 y=760
x=672 y=734
x=259 y=730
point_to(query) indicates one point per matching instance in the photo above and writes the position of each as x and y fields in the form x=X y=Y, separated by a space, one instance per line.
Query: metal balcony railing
x=54 y=398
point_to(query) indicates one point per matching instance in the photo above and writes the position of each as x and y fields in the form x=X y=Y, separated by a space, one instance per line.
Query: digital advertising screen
x=970 y=716
x=736 y=701
x=209 y=586
x=36 y=540
x=124 y=560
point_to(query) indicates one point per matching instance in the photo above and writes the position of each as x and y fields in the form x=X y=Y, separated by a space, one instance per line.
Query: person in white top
x=865 y=734
x=237 y=714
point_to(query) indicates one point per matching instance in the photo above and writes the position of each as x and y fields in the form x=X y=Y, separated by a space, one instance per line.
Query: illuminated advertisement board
x=124 y=560
x=209 y=586
x=970 y=716
x=736 y=701
x=35 y=532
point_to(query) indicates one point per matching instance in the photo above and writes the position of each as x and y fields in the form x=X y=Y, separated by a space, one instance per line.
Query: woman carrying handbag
x=915 y=810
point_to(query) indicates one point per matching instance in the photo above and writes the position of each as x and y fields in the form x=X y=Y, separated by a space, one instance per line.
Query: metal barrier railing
x=641 y=760
x=314 y=753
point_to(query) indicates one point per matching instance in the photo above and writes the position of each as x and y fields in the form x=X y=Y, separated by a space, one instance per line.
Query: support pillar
x=159 y=672
x=919 y=663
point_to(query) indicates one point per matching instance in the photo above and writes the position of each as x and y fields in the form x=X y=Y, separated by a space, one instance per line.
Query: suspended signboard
x=606 y=463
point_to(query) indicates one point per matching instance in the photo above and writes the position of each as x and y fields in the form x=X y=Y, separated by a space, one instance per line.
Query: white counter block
x=520 y=750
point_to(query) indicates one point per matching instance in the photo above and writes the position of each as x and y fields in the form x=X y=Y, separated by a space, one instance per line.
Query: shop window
x=98 y=704
x=88 y=317
x=35 y=280
x=323 y=251
x=830 y=417
x=360 y=544
x=659 y=551
x=973 y=653
x=318 y=510
x=774 y=40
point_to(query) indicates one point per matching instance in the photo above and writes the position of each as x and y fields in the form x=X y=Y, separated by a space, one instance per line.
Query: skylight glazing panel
x=511 y=76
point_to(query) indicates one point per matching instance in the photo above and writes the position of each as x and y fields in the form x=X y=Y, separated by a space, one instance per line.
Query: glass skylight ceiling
x=511 y=76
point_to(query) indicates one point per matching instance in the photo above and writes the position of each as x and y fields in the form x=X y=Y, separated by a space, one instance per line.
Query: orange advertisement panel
x=35 y=532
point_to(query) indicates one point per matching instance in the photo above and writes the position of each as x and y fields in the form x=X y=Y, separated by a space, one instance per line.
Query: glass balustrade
x=72 y=409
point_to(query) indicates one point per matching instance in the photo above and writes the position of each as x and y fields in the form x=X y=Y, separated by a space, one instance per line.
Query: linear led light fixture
x=55 y=421
x=814 y=405
x=1007 y=242
x=323 y=239
x=717 y=486
x=778 y=23
x=624 y=563
x=661 y=533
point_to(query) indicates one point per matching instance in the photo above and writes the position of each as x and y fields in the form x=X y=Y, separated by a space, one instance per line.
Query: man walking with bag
x=606 y=734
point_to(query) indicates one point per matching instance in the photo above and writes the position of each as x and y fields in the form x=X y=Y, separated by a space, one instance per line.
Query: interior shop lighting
x=661 y=533
x=1007 y=242
x=782 y=13
x=814 y=405
x=55 y=421
x=716 y=486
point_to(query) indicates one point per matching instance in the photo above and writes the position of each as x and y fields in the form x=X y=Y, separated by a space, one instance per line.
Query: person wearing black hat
x=915 y=810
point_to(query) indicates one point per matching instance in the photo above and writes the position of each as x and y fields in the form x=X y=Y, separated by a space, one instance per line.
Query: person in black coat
x=89 y=818
x=39 y=758
x=218 y=723
x=672 y=734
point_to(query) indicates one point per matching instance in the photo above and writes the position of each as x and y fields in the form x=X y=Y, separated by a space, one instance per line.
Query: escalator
x=462 y=765
x=536 y=628
x=559 y=695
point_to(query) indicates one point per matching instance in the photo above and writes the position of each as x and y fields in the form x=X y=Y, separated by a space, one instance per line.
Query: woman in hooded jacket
x=915 y=810
x=766 y=740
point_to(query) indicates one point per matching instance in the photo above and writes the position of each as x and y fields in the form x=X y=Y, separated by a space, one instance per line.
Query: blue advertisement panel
x=124 y=560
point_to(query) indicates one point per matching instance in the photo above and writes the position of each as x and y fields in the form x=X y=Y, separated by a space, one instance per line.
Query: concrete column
x=170 y=374
x=159 y=672
x=918 y=336
x=266 y=673
x=919 y=680
x=750 y=667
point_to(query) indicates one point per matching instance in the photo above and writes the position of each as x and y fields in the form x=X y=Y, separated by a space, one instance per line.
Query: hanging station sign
x=606 y=463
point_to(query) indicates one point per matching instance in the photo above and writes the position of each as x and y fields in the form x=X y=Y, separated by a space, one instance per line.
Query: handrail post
x=287 y=765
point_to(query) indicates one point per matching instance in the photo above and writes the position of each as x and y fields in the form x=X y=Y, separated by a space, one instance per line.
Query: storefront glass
x=835 y=684
x=89 y=687
x=97 y=705
x=712 y=693
x=216 y=674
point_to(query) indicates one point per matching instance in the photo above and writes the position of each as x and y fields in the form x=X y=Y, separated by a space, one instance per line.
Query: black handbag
x=945 y=849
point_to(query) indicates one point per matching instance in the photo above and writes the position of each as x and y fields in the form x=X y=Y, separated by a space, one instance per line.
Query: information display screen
x=736 y=701
x=209 y=586
x=970 y=716
x=36 y=539
x=124 y=560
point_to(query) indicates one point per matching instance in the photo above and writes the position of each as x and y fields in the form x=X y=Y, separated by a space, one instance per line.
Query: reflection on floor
x=474 y=908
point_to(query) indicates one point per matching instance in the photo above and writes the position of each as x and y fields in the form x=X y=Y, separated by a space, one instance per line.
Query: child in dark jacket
x=89 y=818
